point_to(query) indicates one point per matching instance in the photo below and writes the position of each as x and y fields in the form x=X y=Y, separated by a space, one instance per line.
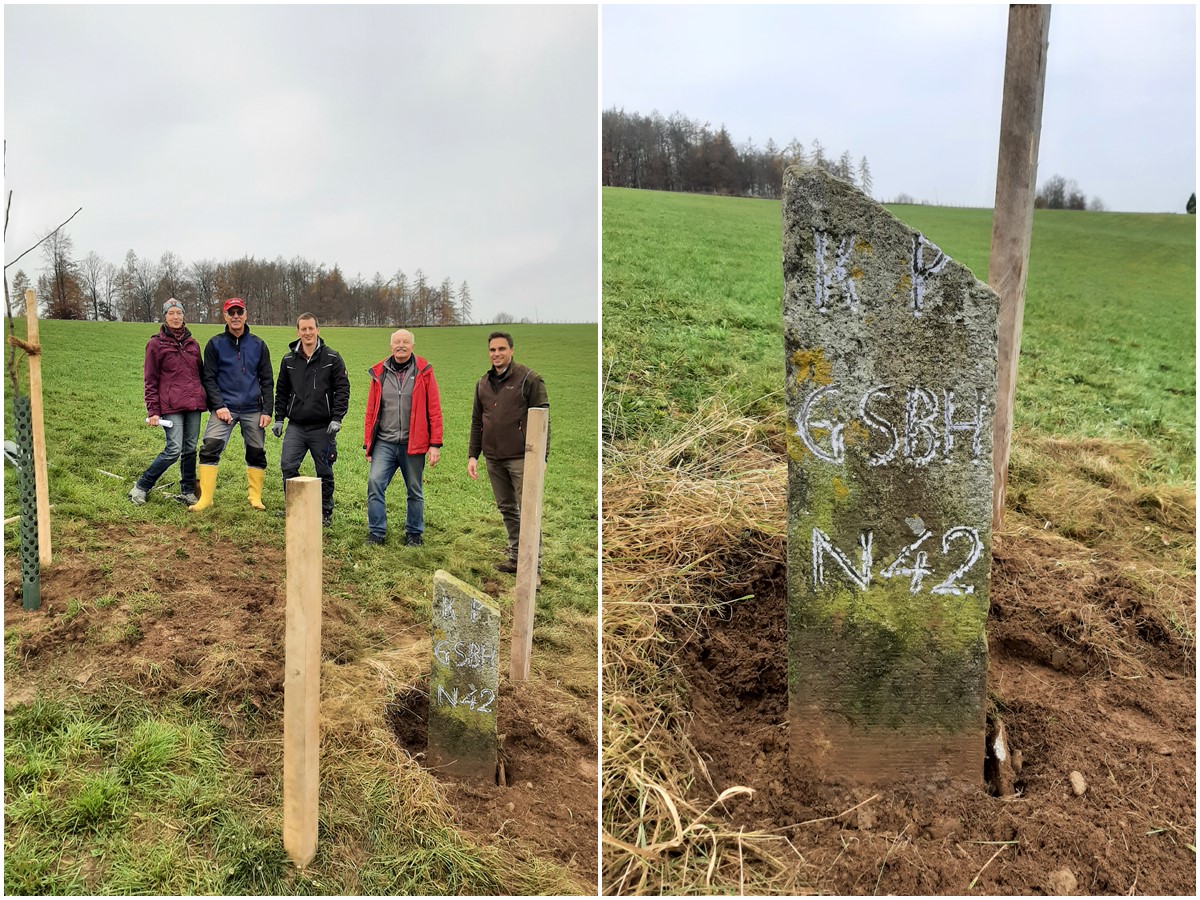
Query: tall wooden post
x=529 y=548
x=302 y=670
x=41 y=484
x=1012 y=221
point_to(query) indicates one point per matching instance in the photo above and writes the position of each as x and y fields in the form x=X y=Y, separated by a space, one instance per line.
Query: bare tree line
x=1058 y=192
x=678 y=154
x=277 y=290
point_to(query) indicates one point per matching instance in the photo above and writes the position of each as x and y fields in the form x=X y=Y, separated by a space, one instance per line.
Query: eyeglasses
x=236 y=311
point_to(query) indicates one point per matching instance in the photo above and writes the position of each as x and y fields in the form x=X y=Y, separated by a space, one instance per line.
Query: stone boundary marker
x=463 y=680
x=891 y=384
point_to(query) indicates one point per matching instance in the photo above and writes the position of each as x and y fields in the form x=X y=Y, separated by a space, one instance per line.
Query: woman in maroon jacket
x=174 y=394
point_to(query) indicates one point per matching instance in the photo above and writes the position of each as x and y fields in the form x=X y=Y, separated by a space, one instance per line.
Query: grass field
x=153 y=785
x=1101 y=490
x=1108 y=348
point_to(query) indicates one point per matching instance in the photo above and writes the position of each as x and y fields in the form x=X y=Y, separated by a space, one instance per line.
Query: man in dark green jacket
x=313 y=394
x=503 y=398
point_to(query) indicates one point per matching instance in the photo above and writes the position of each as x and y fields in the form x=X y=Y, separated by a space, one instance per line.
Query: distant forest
x=677 y=154
x=275 y=291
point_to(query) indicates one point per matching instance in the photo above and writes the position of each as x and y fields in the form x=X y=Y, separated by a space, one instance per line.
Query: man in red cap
x=240 y=389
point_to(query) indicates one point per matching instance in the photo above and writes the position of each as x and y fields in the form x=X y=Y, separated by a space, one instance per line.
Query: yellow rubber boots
x=254 y=486
x=208 y=484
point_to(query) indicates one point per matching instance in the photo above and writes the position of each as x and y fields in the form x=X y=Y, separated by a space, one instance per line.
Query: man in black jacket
x=313 y=393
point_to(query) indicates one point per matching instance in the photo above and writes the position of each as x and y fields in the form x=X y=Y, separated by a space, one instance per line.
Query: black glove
x=334 y=427
x=277 y=429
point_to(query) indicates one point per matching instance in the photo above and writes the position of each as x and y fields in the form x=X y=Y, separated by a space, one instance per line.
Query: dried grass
x=685 y=522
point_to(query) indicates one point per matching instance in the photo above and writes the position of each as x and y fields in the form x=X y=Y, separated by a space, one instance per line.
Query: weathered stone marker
x=464 y=680
x=891 y=382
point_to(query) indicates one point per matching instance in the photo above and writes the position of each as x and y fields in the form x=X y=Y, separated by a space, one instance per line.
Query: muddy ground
x=171 y=629
x=1085 y=678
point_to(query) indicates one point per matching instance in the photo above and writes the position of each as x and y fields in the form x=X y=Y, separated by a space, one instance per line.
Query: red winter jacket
x=425 y=422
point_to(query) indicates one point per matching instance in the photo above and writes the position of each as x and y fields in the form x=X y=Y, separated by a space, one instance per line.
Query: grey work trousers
x=507 y=476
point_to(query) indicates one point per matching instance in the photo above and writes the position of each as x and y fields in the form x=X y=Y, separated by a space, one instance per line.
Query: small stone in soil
x=1078 y=785
x=943 y=827
x=1061 y=882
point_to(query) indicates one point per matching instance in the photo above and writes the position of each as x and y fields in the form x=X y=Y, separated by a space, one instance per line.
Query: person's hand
x=435 y=453
x=223 y=415
x=277 y=429
x=472 y=468
x=153 y=421
x=264 y=420
x=334 y=427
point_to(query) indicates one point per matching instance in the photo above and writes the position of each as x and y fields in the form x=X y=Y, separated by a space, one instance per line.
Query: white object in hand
x=163 y=423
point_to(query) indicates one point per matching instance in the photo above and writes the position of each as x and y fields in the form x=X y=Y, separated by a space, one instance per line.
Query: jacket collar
x=294 y=346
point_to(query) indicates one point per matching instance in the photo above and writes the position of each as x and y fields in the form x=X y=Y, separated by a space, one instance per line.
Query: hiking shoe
x=374 y=540
x=190 y=498
x=326 y=521
x=412 y=539
x=137 y=496
x=509 y=565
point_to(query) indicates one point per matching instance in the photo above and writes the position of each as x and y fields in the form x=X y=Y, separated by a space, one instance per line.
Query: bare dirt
x=1085 y=677
x=171 y=629
x=549 y=771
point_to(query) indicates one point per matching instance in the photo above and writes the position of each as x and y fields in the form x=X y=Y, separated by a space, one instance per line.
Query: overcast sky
x=457 y=140
x=917 y=90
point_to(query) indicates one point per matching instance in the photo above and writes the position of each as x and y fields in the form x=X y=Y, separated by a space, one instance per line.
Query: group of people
x=233 y=380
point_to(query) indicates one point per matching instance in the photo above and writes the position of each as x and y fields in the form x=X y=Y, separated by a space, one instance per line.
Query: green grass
x=92 y=390
x=692 y=309
x=107 y=791
x=120 y=799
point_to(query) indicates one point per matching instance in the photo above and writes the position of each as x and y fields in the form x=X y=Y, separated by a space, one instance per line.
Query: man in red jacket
x=403 y=424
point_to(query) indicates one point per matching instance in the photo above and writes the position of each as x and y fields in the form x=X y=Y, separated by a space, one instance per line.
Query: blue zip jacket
x=237 y=373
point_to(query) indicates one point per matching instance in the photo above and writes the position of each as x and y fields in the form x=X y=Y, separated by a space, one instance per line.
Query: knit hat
x=172 y=302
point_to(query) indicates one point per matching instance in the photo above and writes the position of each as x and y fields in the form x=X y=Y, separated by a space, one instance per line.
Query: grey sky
x=460 y=140
x=917 y=90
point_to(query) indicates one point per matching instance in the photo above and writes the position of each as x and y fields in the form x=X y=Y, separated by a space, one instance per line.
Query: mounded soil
x=171 y=628
x=1119 y=709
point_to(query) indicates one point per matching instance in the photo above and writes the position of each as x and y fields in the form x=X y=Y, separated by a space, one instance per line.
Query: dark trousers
x=312 y=439
x=507 y=476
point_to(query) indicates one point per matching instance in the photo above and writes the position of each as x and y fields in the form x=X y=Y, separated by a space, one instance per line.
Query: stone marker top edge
x=441 y=576
x=844 y=190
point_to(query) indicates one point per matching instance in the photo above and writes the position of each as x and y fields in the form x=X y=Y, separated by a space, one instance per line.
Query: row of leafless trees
x=276 y=291
x=677 y=154
x=1058 y=192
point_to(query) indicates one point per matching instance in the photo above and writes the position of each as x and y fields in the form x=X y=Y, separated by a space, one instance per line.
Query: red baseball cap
x=232 y=302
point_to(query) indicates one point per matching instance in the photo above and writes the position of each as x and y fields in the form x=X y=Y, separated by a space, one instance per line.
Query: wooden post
x=41 y=484
x=302 y=670
x=1012 y=220
x=529 y=548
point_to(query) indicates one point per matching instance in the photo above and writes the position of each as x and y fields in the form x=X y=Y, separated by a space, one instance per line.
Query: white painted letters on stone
x=911 y=561
x=463 y=680
x=835 y=280
x=922 y=267
x=928 y=425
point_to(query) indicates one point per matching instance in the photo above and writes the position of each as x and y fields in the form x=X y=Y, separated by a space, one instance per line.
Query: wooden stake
x=40 y=483
x=529 y=548
x=302 y=670
x=1012 y=220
